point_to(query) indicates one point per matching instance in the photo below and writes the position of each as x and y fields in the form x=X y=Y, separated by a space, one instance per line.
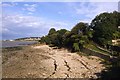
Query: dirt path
x=44 y=61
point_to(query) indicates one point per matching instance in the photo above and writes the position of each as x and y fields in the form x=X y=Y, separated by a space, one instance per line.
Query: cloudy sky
x=25 y=19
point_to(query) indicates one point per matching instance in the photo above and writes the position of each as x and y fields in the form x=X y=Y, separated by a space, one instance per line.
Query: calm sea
x=16 y=43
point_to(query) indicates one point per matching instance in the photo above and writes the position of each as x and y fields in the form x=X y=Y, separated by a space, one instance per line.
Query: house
x=115 y=42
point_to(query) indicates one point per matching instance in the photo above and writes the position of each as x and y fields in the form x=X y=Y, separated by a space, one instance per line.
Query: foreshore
x=42 y=61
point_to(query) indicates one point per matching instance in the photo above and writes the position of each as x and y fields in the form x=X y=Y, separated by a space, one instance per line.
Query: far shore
x=17 y=43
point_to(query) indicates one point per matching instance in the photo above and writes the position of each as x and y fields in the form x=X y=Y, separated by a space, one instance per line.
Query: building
x=119 y=27
x=116 y=42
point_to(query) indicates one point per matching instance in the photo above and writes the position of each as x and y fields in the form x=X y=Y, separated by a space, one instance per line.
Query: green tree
x=60 y=37
x=76 y=46
x=104 y=25
x=79 y=36
x=45 y=39
x=116 y=35
x=52 y=31
x=67 y=41
x=80 y=28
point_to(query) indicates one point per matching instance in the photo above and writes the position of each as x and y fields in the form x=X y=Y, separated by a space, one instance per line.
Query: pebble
x=43 y=74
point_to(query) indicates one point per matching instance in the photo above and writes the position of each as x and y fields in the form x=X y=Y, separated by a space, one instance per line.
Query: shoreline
x=32 y=62
x=5 y=44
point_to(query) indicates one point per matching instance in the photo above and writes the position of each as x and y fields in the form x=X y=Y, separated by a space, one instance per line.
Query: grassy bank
x=97 y=49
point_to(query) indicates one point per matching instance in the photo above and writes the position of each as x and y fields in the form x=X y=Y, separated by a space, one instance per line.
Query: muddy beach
x=42 y=61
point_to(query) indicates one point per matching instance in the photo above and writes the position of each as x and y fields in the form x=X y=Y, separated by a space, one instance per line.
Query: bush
x=76 y=47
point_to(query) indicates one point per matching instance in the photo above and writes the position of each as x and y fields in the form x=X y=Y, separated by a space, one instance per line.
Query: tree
x=116 y=35
x=67 y=41
x=76 y=46
x=52 y=31
x=45 y=39
x=60 y=37
x=79 y=36
x=104 y=25
x=80 y=28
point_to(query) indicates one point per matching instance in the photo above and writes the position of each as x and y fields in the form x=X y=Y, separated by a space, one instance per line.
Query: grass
x=95 y=48
x=82 y=54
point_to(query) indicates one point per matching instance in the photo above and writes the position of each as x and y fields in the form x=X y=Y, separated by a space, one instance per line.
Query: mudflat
x=42 y=61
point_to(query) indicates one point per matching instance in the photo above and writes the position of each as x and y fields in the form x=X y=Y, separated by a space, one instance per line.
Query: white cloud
x=59 y=12
x=6 y=5
x=5 y=30
x=30 y=7
x=96 y=8
x=11 y=4
x=60 y=0
x=28 y=25
x=103 y=0
x=92 y=9
x=30 y=13
x=20 y=20
x=85 y=21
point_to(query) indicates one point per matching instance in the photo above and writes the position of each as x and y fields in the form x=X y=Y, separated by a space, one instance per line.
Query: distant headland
x=25 y=39
x=29 y=39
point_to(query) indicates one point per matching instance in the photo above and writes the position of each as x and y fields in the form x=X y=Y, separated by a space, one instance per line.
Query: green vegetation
x=74 y=39
x=102 y=30
x=105 y=28
x=55 y=38
x=95 y=48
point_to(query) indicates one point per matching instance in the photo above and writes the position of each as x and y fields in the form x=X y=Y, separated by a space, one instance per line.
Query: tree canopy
x=102 y=29
x=51 y=31
x=104 y=25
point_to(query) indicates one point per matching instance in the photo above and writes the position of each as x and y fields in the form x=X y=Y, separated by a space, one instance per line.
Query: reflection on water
x=16 y=43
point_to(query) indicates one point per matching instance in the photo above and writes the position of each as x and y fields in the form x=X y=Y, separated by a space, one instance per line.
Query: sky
x=34 y=19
